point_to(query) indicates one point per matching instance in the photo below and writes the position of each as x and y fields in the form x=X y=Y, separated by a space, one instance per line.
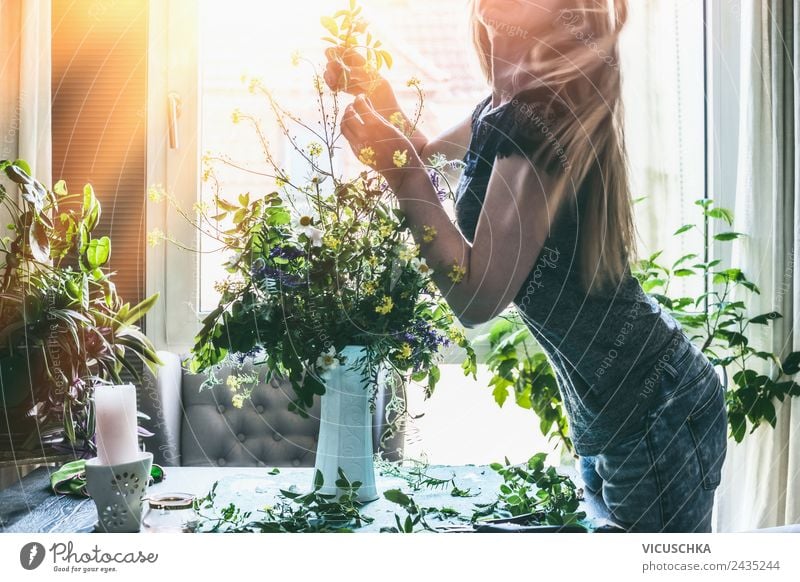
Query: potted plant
x=325 y=287
x=63 y=327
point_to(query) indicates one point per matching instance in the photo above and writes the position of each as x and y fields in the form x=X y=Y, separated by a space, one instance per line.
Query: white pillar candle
x=116 y=433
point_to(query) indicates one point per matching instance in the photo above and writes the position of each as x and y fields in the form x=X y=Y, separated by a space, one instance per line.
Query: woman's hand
x=378 y=143
x=347 y=71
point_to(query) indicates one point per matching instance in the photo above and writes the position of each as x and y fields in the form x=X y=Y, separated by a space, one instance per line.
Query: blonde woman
x=544 y=222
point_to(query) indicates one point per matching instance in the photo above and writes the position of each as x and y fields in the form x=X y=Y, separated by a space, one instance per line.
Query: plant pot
x=345 y=432
x=15 y=382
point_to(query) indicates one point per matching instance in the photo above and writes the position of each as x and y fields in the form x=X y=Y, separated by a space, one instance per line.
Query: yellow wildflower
x=372 y=260
x=385 y=306
x=315 y=149
x=281 y=180
x=398 y=120
x=331 y=242
x=237 y=400
x=156 y=193
x=254 y=85
x=408 y=253
x=236 y=116
x=200 y=207
x=369 y=288
x=234 y=383
x=413 y=82
x=399 y=158
x=429 y=233
x=457 y=334
x=154 y=237
x=296 y=56
x=367 y=156
x=457 y=273
x=386 y=229
x=318 y=83
x=405 y=351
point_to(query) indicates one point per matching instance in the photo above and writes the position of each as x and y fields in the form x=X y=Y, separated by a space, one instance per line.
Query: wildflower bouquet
x=320 y=263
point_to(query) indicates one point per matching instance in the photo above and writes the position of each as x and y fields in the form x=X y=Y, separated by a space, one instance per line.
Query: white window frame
x=173 y=272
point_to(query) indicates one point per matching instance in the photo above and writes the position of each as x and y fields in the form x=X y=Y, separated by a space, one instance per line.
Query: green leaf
x=397 y=496
x=725 y=236
x=765 y=318
x=60 y=188
x=683 y=259
x=791 y=365
x=23 y=165
x=137 y=312
x=721 y=213
x=684 y=228
x=98 y=252
x=91 y=208
x=38 y=242
x=69 y=421
x=500 y=394
x=330 y=25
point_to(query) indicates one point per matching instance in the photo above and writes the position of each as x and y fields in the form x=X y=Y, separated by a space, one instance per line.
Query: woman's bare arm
x=481 y=279
x=452 y=143
x=478 y=280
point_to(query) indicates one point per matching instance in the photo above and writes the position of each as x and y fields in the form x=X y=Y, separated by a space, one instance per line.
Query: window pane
x=662 y=62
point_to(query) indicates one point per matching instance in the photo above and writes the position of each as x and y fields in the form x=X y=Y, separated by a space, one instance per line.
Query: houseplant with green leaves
x=63 y=326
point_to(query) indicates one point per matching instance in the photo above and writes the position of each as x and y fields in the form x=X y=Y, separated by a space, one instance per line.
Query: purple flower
x=288 y=253
x=241 y=357
x=264 y=271
x=441 y=193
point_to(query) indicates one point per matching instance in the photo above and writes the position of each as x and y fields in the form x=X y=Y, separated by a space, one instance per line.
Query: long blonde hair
x=576 y=61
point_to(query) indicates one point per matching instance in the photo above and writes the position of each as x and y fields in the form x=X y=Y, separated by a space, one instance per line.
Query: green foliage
x=717 y=321
x=531 y=492
x=536 y=491
x=520 y=369
x=292 y=513
x=349 y=30
x=417 y=477
x=63 y=327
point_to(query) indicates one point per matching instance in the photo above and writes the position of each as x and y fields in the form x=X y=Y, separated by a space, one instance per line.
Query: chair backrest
x=197 y=427
x=262 y=432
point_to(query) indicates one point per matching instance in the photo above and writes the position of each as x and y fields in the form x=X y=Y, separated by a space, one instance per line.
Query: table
x=30 y=505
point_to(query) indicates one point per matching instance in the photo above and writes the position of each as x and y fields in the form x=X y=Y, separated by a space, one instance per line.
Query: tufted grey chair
x=202 y=428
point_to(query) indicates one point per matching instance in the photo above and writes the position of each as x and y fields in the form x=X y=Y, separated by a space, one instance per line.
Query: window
x=662 y=61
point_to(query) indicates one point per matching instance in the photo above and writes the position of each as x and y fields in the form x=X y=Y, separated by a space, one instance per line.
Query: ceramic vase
x=345 y=434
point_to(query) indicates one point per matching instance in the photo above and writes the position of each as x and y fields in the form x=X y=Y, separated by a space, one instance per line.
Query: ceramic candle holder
x=117 y=491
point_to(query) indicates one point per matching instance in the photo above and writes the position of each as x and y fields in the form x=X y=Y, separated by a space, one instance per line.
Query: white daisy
x=327 y=360
x=421 y=266
x=304 y=224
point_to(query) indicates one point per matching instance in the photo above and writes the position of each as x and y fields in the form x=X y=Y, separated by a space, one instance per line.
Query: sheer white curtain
x=25 y=90
x=761 y=479
x=25 y=102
